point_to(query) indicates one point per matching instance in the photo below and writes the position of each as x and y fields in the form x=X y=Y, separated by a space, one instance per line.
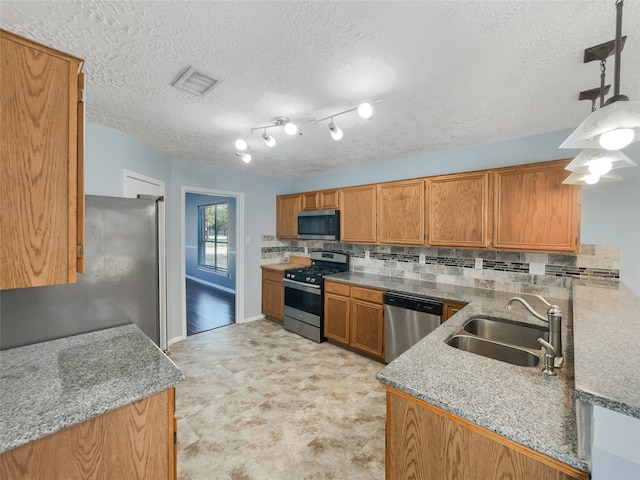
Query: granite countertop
x=519 y=403
x=606 y=331
x=52 y=385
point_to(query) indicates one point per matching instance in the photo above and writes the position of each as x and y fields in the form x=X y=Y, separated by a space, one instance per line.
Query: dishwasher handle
x=413 y=302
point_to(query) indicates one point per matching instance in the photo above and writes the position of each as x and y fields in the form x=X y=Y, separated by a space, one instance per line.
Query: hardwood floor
x=208 y=308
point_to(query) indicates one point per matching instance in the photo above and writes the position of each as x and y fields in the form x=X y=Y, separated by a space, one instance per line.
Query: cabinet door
x=310 y=201
x=449 y=309
x=458 y=210
x=367 y=325
x=273 y=294
x=358 y=214
x=287 y=208
x=534 y=210
x=328 y=200
x=336 y=317
x=401 y=212
x=39 y=183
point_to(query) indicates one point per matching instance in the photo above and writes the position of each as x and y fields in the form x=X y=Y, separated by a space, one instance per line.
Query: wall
x=610 y=211
x=108 y=152
x=616 y=446
x=224 y=281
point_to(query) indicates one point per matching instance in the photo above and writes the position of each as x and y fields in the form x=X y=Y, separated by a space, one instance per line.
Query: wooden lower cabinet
x=354 y=317
x=427 y=443
x=449 y=309
x=273 y=294
x=134 y=442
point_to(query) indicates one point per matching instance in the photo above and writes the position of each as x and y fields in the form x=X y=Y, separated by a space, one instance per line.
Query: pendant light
x=617 y=123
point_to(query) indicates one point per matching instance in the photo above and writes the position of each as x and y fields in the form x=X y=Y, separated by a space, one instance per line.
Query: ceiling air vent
x=193 y=81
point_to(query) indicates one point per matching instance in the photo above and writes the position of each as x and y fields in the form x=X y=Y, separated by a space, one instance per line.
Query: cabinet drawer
x=337 y=288
x=274 y=275
x=367 y=294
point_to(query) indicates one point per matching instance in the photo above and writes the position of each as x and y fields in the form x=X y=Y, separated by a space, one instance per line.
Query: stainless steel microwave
x=319 y=225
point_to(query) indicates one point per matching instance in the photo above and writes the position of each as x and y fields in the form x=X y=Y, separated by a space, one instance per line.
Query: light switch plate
x=536 y=268
x=479 y=263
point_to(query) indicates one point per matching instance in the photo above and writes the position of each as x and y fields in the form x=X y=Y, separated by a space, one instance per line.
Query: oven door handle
x=305 y=287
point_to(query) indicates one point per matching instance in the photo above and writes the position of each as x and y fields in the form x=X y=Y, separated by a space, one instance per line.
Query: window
x=213 y=237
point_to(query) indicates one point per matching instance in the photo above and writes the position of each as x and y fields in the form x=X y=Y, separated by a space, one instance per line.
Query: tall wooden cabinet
x=287 y=209
x=459 y=210
x=534 y=210
x=41 y=171
x=401 y=212
x=358 y=214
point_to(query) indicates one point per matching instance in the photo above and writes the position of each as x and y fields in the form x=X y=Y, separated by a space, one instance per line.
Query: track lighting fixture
x=365 y=110
x=268 y=139
x=336 y=133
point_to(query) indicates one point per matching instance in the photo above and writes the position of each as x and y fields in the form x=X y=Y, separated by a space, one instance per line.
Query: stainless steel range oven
x=304 y=294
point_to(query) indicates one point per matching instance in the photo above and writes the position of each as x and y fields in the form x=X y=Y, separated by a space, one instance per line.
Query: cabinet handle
x=79 y=251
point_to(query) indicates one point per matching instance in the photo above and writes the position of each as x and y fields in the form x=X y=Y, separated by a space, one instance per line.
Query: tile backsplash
x=501 y=270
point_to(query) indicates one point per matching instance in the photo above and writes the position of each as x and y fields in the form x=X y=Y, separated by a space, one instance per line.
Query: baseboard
x=212 y=285
x=252 y=319
x=175 y=340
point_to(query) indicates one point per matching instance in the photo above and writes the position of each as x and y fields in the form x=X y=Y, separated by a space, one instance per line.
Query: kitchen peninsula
x=515 y=406
x=100 y=402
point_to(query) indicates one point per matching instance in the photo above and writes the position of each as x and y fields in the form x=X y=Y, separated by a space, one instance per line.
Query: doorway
x=211 y=252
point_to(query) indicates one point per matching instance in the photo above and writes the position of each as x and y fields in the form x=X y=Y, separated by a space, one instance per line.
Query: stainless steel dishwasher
x=407 y=319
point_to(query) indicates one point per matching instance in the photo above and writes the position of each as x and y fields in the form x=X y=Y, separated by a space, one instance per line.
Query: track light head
x=336 y=133
x=268 y=139
x=290 y=128
x=365 y=110
x=245 y=157
x=241 y=144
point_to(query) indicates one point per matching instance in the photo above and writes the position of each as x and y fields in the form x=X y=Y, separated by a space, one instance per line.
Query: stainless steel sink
x=500 y=339
x=506 y=332
x=498 y=351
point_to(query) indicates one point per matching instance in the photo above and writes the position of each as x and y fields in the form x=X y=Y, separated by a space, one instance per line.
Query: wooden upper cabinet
x=401 y=212
x=287 y=208
x=459 y=210
x=41 y=181
x=358 y=214
x=533 y=210
x=322 y=200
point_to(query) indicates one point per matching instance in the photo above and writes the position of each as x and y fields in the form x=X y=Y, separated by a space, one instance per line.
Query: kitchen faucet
x=554 y=318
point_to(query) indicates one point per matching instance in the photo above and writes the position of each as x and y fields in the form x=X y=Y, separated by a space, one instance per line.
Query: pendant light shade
x=594 y=160
x=615 y=124
x=590 y=178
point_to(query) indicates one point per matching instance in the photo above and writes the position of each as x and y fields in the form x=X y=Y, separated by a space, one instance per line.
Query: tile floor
x=261 y=403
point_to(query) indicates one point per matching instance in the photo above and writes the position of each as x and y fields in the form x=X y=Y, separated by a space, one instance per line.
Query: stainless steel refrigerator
x=119 y=286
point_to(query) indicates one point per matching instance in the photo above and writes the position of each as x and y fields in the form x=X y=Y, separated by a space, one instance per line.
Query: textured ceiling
x=451 y=74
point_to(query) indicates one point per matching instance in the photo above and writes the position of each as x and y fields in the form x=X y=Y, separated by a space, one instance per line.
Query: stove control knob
x=307 y=279
x=288 y=275
x=313 y=280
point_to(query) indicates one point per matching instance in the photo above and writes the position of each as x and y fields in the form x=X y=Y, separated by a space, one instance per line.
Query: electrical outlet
x=306 y=249
x=422 y=258
x=366 y=254
x=536 y=268
x=479 y=263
